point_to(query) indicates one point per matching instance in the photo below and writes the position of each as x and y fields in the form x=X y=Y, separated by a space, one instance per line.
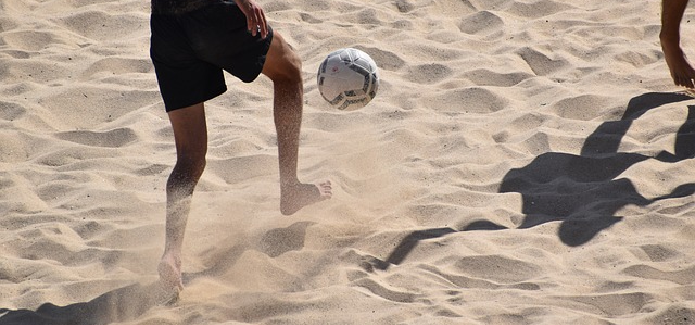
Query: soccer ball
x=348 y=79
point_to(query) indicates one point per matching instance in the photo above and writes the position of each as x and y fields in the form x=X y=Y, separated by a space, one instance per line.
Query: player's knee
x=291 y=70
x=185 y=177
x=288 y=68
x=198 y=169
x=295 y=67
x=191 y=167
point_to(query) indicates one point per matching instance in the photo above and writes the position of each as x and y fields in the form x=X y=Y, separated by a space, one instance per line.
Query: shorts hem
x=184 y=104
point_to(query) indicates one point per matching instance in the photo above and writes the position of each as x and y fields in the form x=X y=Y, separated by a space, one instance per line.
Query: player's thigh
x=281 y=60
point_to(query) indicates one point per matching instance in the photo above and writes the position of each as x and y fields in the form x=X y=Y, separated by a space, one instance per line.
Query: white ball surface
x=348 y=79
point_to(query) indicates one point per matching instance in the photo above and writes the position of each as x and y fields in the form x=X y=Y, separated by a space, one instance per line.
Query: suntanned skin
x=681 y=70
x=283 y=67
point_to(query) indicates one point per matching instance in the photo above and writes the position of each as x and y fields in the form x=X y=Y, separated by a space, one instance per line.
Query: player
x=681 y=70
x=192 y=42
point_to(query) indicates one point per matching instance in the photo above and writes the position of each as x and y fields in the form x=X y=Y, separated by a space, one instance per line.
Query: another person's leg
x=190 y=135
x=680 y=68
x=283 y=67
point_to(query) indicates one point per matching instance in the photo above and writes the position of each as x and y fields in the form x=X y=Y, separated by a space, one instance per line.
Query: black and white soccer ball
x=348 y=79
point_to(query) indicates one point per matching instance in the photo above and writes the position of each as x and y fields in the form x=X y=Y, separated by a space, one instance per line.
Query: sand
x=525 y=162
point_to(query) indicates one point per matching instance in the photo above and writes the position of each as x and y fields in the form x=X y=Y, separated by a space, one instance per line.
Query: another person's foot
x=170 y=272
x=294 y=197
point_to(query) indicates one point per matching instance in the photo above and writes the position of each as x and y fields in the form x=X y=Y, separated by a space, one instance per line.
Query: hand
x=681 y=70
x=255 y=17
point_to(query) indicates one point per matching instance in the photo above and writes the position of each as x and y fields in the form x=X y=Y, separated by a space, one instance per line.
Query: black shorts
x=190 y=51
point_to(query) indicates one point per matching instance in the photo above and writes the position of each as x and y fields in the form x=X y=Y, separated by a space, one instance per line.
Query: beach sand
x=524 y=162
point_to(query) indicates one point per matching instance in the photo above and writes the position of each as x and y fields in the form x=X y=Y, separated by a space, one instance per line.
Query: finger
x=251 y=25
x=260 y=22
x=680 y=82
x=689 y=76
x=264 y=26
x=686 y=82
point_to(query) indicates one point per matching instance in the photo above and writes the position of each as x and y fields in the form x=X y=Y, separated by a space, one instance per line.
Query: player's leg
x=190 y=135
x=283 y=66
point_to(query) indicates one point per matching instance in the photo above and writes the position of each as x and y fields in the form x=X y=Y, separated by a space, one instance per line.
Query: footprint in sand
x=481 y=23
x=11 y=111
x=540 y=63
x=115 y=138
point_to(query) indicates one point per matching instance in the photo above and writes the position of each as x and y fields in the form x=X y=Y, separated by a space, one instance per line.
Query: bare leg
x=190 y=134
x=283 y=66
x=681 y=70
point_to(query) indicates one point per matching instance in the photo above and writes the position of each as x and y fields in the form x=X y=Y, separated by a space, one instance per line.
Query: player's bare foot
x=170 y=273
x=294 y=197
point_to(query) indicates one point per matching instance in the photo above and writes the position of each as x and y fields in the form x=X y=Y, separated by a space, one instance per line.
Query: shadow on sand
x=579 y=191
